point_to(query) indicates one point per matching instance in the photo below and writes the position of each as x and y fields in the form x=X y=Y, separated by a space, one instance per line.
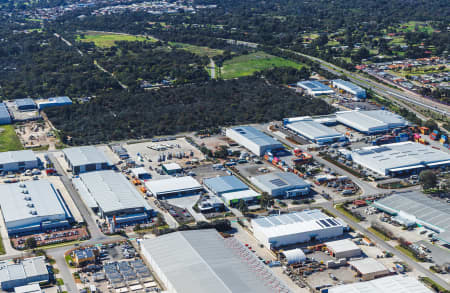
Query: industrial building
x=141 y=173
x=293 y=256
x=111 y=195
x=298 y=227
x=315 y=88
x=33 y=288
x=5 y=117
x=357 y=91
x=231 y=189
x=18 y=160
x=400 y=158
x=314 y=131
x=202 y=261
x=282 y=184
x=369 y=268
x=86 y=158
x=33 y=206
x=26 y=104
x=254 y=140
x=120 y=151
x=29 y=270
x=371 y=122
x=417 y=208
x=171 y=168
x=54 y=102
x=390 y=284
x=176 y=186
x=343 y=248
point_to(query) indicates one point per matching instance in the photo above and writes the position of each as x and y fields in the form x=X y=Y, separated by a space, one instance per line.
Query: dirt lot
x=36 y=134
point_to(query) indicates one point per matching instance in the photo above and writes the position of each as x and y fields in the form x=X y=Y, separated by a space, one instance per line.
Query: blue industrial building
x=29 y=270
x=349 y=87
x=5 y=117
x=315 y=88
x=26 y=104
x=55 y=102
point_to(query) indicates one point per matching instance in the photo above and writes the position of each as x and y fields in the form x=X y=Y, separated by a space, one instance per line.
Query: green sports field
x=248 y=64
x=105 y=40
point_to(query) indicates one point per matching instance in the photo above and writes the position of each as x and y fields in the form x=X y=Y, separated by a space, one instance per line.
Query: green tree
x=265 y=200
x=30 y=243
x=428 y=179
x=242 y=206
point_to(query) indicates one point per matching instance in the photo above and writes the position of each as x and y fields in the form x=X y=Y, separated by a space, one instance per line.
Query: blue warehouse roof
x=4 y=114
x=27 y=102
x=225 y=184
x=314 y=86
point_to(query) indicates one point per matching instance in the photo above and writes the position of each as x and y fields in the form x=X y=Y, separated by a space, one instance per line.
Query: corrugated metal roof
x=313 y=130
x=349 y=85
x=373 y=120
x=112 y=191
x=342 y=245
x=256 y=136
x=172 y=185
x=201 y=261
x=278 y=180
x=17 y=156
x=397 y=284
x=314 y=85
x=26 y=102
x=225 y=184
x=29 y=267
x=85 y=155
x=4 y=113
x=367 y=265
x=42 y=196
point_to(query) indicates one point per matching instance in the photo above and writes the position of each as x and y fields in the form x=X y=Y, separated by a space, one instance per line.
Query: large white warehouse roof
x=172 y=185
x=371 y=121
x=202 y=261
x=256 y=136
x=85 y=155
x=315 y=131
x=17 y=156
x=397 y=157
x=398 y=284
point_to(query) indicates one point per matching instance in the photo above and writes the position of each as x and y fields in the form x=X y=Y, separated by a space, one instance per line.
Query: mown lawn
x=248 y=64
x=8 y=139
x=198 y=50
x=105 y=40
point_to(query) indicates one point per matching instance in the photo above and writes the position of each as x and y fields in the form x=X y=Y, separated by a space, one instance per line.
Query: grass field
x=201 y=51
x=8 y=139
x=418 y=26
x=106 y=40
x=248 y=64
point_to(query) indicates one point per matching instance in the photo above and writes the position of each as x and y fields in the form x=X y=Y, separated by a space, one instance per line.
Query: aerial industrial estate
x=230 y=147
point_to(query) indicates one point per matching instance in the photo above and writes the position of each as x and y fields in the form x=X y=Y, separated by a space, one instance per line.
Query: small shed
x=343 y=248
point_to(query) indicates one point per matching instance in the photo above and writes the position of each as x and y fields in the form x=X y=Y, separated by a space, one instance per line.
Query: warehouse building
x=371 y=122
x=171 y=168
x=26 y=104
x=202 y=261
x=29 y=270
x=112 y=196
x=390 y=284
x=343 y=248
x=33 y=288
x=33 y=206
x=141 y=173
x=315 y=131
x=18 y=160
x=293 y=256
x=417 y=208
x=357 y=91
x=54 y=102
x=400 y=158
x=368 y=268
x=85 y=159
x=282 y=184
x=315 y=88
x=231 y=189
x=171 y=187
x=5 y=117
x=254 y=140
x=298 y=227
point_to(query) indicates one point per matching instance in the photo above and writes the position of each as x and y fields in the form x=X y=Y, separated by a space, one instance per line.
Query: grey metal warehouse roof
x=349 y=85
x=26 y=102
x=225 y=184
x=281 y=180
x=201 y=261
x=4 y=114
x=313 y=130
x=15 y=204
x=397 y=284
x=314 y=86
x=395 y=156
x=85 y=155
x=28 y=268
x=422 y=207
x=112 y=191
x=256 y=136
x=17 y=156
x=367 y=121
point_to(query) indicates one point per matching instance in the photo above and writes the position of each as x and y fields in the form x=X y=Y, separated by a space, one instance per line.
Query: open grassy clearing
x=418 y=26
x=9 y=141
x=106 y=40
x=248 y=64
x=201 y=51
